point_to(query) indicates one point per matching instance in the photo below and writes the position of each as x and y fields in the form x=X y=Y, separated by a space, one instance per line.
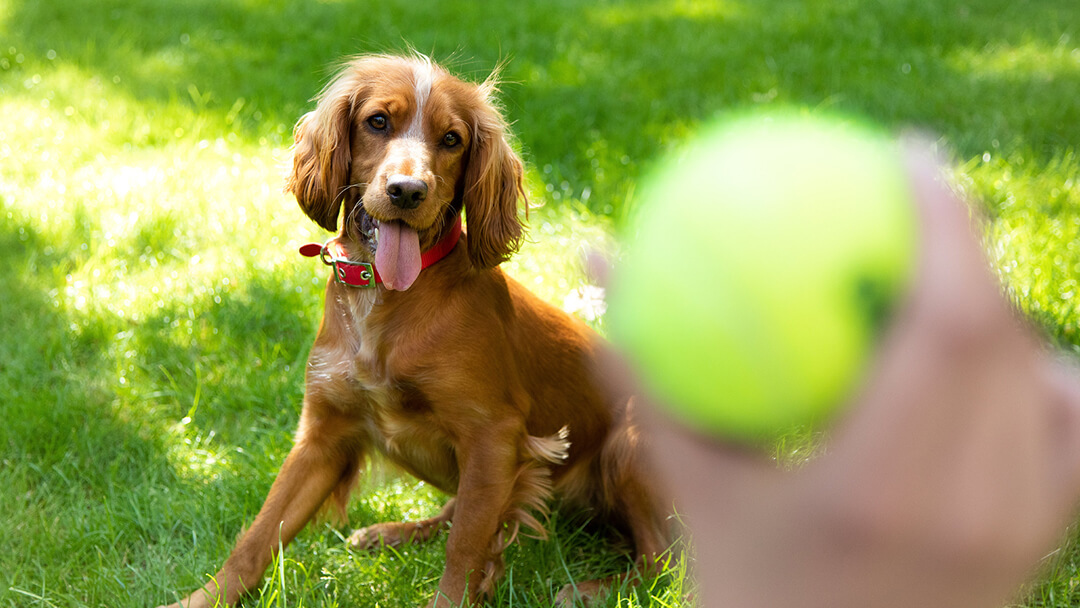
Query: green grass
x=156 y=319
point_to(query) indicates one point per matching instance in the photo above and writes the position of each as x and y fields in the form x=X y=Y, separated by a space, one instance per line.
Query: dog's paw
x=196 y=600
x=376 y=536
x=581 y=594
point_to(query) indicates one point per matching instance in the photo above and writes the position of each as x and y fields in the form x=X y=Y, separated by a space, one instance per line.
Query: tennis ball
x=761 y=267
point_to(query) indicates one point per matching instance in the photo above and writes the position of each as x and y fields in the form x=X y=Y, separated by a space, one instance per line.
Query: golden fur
x=466 y=379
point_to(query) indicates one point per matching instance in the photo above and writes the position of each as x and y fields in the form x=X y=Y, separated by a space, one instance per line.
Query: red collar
x=363 y=274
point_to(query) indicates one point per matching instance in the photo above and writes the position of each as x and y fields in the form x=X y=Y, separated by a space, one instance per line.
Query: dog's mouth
x=369 y=228
x=396 y=247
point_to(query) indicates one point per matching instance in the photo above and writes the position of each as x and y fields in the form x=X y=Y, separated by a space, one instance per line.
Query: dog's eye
x=451 y=139
x=378 y=122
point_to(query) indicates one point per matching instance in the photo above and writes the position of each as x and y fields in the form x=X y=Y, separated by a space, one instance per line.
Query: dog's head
x=403 y=145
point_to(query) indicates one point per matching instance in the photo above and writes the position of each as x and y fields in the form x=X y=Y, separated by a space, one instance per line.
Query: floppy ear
x=493 y=185
x=322 y=155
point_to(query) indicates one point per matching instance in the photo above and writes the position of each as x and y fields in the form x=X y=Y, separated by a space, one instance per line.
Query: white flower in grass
x=586 y=301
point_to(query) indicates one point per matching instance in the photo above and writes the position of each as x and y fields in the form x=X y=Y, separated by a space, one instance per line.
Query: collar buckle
x=346 y=271
x=353 y=274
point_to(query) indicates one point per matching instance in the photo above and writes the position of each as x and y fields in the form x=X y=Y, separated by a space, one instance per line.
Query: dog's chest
x=399 y=423
x=412 y=441
x=363 y=370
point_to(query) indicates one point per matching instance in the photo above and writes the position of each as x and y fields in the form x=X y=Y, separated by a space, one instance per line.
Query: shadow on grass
x=57 y=396
x=70 y=459
x=108 y=494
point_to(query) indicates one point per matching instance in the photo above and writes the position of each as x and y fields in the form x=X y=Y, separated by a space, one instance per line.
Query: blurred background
x=155 y=318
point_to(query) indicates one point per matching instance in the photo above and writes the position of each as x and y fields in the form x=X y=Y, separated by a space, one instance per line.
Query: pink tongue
x=397 y=257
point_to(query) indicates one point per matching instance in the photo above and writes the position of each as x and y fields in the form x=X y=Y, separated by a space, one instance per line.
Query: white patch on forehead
x=423 y=76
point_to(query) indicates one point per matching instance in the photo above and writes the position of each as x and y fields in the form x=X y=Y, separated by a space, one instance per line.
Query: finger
x=952 y=271
x=706 y=475
x=954 y=268
x=953 y=311
x=702 y=472
x=1064 y=431
x=615 y=374
x=597 y=267
x=620 y=381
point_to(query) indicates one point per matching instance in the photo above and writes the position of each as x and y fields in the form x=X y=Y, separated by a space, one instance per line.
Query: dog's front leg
x=488 y=460
x=326 y=455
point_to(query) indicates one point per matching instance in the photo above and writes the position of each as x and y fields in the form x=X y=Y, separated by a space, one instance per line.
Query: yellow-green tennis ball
x=760 y=269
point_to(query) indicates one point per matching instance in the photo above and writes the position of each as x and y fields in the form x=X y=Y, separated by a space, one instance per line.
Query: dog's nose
x=406 y=192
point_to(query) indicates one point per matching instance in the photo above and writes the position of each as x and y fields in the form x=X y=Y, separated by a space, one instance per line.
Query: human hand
x=955 y=470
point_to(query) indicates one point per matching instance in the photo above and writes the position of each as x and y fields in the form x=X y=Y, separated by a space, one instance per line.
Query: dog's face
x=411 y=135
x=403 y=145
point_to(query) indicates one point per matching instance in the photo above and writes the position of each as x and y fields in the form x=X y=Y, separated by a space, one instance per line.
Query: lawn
x=156 y=318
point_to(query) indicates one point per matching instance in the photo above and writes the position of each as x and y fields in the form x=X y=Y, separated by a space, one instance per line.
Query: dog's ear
x=493 y=186
x=321 y=152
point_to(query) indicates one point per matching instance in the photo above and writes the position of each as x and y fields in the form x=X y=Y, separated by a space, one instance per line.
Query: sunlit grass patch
x=1033 y=234
x=552 y=261
x=1031 y=58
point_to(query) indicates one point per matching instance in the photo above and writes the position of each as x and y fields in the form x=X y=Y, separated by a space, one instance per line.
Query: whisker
x=352 y=220
x=350 y=186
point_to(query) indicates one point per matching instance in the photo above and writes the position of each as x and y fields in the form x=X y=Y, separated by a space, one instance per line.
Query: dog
x=428 y=353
